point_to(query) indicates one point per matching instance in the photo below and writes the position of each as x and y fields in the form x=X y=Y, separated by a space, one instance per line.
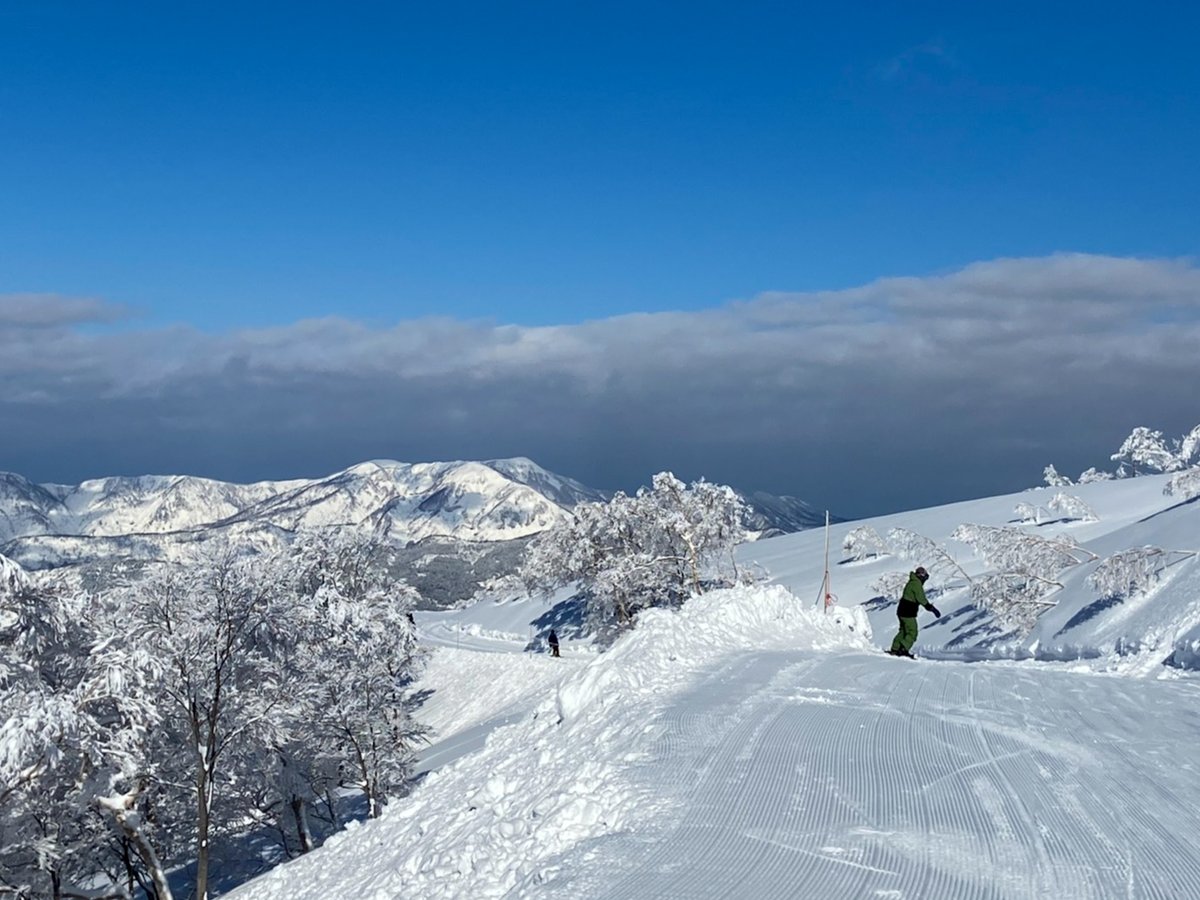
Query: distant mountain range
x=470 y=511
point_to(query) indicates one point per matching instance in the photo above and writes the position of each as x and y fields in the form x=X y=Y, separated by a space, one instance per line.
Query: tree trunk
x=202 y=829
x=301 y=816
x=335 y=813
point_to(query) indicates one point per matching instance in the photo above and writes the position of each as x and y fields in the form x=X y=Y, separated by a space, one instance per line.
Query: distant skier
x=552 y=640
x=910 y=601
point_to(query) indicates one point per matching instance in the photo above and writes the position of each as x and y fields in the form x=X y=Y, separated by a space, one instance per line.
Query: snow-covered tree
x=224 y=631
x=1134 y=571
x=1026 y=570
x=1011 y=549
x=210 y=696
x=651 y=549
x=1071 y=507
x=1016 y=599
x=1189 y=448
x=890 y=585
x=1053 y=478
x=1093 y=475
x=1186 y=484
x=917 y=548
x=497 y=589
x=357 y=656
x=1029 y=512
x=73 y=711
x=864 y=542
x=1145 y=452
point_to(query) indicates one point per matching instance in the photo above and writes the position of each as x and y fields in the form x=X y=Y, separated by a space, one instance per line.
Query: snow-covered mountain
x=458 y=514
x=496 y=500
x=772 y=515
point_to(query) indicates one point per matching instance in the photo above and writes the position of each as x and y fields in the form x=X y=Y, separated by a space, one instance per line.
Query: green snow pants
x=906 y=636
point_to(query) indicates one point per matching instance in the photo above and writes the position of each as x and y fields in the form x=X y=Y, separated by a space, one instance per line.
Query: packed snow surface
x=750 y=745
x=503 y=819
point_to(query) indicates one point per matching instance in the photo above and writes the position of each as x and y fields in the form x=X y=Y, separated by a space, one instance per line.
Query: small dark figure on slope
x=552 y=640
x=910 y=601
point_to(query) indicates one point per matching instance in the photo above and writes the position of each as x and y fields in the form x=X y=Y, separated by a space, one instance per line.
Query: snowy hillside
x=753 y=745
x=1083 y=622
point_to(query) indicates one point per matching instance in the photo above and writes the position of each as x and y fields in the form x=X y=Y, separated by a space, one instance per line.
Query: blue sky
x=215 y=168
x=545 y=162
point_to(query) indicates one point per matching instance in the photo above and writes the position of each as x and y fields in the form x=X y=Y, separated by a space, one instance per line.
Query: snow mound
x=499 y=819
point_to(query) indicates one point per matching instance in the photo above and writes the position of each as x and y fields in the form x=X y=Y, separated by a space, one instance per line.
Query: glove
x=936 y=612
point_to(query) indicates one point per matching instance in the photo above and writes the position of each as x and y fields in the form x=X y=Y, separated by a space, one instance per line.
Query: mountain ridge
x=490 y=506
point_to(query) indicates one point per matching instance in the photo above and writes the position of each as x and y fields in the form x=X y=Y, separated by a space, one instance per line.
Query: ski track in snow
x=859 y=776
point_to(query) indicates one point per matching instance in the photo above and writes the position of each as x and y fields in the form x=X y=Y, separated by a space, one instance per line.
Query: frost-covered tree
x=864 y=542
x=1134 y=571
x=1186 y=484
x=890 y=585
x=651 y=549
x=1071 y=507
x=224 y=632
x=1026 y=570
x=1029 y=512
x=1011 y=549
x=1053 y=478
x=73 y=709
x=1016 y=599
x=1093 y=475
x=206 y=698
x=919 y=549
x=357 y=656
x=1145 y=452
x=1189 y=448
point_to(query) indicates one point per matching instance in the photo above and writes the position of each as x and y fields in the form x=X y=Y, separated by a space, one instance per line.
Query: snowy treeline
x=654 y=548
x=240 y=691
x=1144 y=452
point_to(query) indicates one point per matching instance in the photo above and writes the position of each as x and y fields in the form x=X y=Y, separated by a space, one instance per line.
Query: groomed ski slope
x=856 y=776
x=749 y=745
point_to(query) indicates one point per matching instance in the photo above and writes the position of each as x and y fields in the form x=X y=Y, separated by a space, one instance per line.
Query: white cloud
x=1034 y=357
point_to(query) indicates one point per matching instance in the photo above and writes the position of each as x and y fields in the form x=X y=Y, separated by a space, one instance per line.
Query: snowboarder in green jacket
x=910 y=601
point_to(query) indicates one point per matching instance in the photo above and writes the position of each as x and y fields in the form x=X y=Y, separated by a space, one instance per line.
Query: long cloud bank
x=902 y=392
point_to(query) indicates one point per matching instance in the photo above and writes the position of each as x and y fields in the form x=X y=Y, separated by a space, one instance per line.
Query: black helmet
x=921 y=573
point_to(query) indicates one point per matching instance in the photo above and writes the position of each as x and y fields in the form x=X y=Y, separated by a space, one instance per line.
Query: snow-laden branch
x=1026 y=569
x=1134 y=571
x=919 y=549
x=1185 y=485
x=864 y=542
x=1069 y=506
